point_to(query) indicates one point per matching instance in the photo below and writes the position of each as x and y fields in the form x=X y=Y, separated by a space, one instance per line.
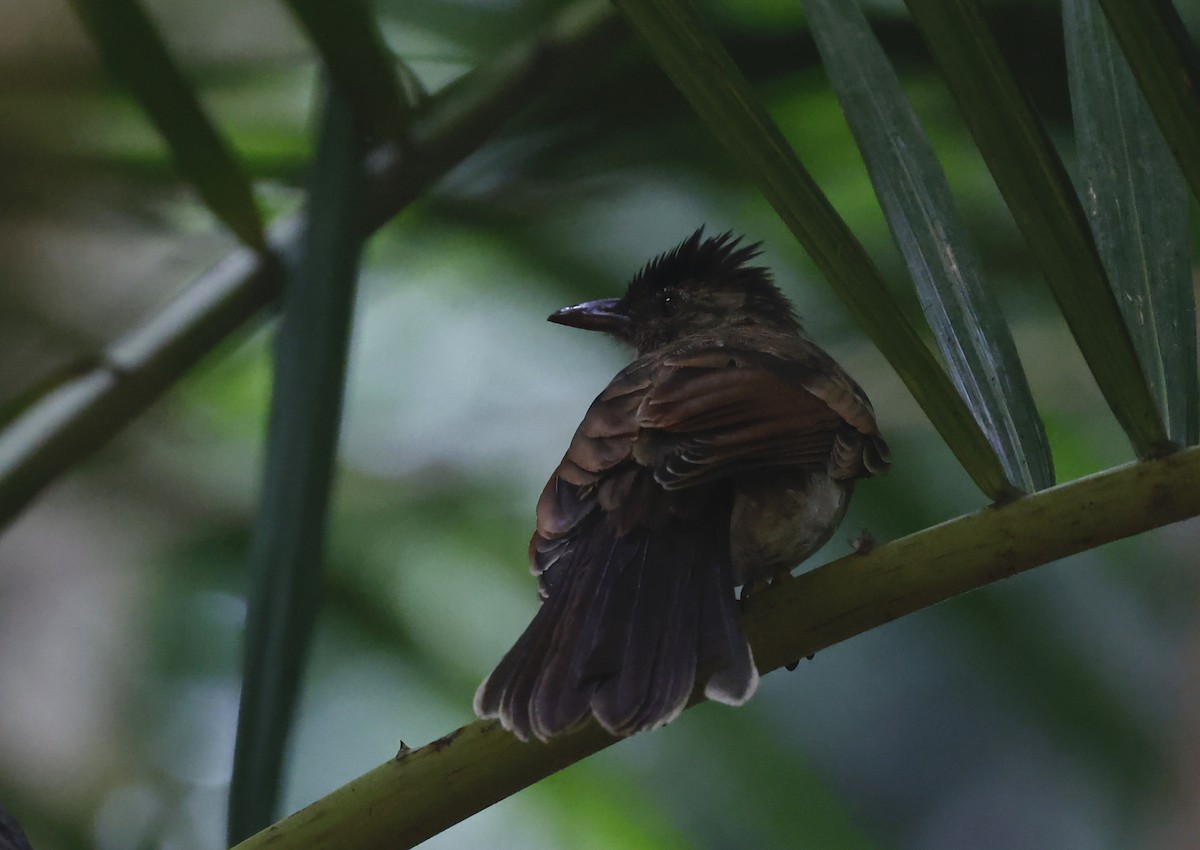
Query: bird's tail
x=632 y=622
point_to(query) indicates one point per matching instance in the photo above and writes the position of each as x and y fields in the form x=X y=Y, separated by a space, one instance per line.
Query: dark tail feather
x=505 y=693
x=535 y=663
x=653 y=661
x=724 y=662
x=562 y=699
x=632 y=622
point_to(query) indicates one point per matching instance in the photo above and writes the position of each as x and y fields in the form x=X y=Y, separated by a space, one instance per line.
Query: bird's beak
x=602 y=315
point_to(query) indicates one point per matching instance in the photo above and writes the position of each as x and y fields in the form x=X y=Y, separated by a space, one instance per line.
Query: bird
x=725 y=454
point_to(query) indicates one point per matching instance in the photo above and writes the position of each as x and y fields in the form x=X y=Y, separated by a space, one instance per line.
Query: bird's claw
x=864 y=543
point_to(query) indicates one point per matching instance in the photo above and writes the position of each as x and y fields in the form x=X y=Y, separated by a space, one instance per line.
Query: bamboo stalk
x=67 y=425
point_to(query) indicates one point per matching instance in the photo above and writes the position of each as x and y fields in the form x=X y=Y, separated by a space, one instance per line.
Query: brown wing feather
x=700 y=416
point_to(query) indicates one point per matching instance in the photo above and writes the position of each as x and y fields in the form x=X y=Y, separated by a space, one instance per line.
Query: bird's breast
x=778 y=521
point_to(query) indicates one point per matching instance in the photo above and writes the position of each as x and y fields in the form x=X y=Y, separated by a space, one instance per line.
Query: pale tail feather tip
x=732 y=693
x=477 y=703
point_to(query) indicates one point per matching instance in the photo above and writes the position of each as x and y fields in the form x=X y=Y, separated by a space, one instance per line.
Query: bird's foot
x=864 y=543
x=791 y=667
x=758 y=585
x=754 y=587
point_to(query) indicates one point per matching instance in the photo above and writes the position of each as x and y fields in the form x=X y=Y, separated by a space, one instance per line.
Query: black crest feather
x=698 y=261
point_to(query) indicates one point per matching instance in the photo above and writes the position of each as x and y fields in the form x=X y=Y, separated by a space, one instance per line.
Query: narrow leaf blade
x=1167 y=66
x=1136 y=200
x=692 y=56
x=1035 y=185
x=967 y=322
x=137 y=56
x=306 y=406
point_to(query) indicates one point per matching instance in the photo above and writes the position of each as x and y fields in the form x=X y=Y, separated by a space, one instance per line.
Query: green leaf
x=1036 y=187
x=306 y=404
x=1166 y=64
x=966 y=320
x=1136 y=200
x=358 y=60
x=690 y=53
x=136 y=55
x=51 y=436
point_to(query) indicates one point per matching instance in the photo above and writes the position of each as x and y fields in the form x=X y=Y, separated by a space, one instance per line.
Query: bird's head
x=700 y=285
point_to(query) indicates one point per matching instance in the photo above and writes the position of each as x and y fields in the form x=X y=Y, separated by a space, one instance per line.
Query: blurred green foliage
x=1053 y=710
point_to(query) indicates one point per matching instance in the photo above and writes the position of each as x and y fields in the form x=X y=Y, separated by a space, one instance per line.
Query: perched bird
x=725 y=454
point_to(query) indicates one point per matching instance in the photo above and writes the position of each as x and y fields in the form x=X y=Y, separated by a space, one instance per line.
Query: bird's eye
x=667 y=302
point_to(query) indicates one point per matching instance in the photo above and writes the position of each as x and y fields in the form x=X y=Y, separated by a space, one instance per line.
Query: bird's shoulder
x=681 y=420
x=739 y=370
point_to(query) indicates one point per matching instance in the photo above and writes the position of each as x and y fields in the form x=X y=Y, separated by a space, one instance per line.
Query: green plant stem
x=422 y=792
x=68 y=425
x=288 y=548
x=359 y=62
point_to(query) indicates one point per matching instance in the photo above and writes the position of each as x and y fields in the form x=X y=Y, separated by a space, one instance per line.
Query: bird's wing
x=668 y=425
x=717 y=413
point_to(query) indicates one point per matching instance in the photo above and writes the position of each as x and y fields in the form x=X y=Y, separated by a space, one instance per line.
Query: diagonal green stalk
x=421 y=792
x=967 y=323
x=306 y=407
x=690 y=53
x=69 y=424
x=138 y=57
x=358 y=61
x=1035 y=185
